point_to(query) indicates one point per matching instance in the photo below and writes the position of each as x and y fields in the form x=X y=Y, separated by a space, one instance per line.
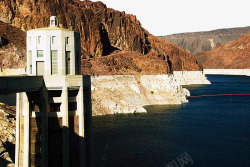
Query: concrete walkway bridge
x=53 y=119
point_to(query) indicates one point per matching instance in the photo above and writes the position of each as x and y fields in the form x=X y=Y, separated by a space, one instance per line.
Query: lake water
x=211 y=131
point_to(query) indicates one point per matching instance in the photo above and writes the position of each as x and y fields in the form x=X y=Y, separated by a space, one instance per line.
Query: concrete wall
x=46 y=45
x=12 y=71
x=228 y=71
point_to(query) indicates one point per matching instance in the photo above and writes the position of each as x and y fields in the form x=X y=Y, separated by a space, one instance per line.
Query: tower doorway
x=40 y=68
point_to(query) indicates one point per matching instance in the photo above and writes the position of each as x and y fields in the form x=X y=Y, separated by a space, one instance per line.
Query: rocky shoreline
x=129 y=93
x=114 y=94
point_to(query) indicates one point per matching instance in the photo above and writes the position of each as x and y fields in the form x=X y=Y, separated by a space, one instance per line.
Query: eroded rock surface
x=7 y=136
x=231 y=55
x=205 y=41
x=105 y=33
x=12 y=47
x=129 y=93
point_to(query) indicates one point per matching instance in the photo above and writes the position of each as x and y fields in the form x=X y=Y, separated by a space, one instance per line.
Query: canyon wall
x=112 y=42
x=129 y=93
x=231 y=55
x=12 y=46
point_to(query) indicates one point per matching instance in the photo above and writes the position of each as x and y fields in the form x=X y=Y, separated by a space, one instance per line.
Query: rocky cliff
x=129 y=93
x=112 y=42
x=205 y=41
x=231 y=55
x=12 y=46
x=7 y=135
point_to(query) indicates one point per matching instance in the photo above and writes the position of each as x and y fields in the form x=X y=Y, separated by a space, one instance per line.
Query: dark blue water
x=212 y=131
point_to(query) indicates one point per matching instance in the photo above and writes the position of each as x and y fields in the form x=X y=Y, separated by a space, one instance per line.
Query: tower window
x=40 y=53
x=39 y=39
x=54 y=63
x=53 y=39
x=52 y=22
x=67 y=62
x=67 y=40
x=30 y=61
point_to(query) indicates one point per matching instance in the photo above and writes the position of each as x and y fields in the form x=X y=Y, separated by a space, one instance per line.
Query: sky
x=165 y=17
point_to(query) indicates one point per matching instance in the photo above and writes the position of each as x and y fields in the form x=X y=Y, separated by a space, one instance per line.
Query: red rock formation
x=103 y=31
x=125 y=62
x=231 y=55
x=177 y=58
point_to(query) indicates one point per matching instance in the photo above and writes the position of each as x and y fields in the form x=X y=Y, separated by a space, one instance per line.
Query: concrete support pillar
x=80 y=109
x=18 y=127
x=65 y=123
x=88 y=124
x=44 y=128
x=26 y=148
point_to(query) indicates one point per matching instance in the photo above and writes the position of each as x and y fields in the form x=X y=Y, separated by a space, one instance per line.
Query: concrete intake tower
x=53 y=124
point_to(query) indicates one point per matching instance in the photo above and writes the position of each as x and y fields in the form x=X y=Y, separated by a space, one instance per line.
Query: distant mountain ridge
x=205 y=41
x=231 y=55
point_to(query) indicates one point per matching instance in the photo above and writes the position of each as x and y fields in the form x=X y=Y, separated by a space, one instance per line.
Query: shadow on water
x=162 y=108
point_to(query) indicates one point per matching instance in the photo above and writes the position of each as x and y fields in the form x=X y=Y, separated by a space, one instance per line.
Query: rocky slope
x=231 y=55
x=12 y=46
x=7 y=135
x=112 y=42
x=205 y=41
x=129 y=93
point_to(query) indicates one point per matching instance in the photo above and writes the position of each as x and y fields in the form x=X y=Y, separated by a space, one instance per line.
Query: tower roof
x=53 y=21
x=53 y=25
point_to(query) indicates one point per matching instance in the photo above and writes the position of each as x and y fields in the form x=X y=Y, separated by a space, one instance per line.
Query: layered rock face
x=129 y=93
x=12 y=46
x=231 y=55
x=190 y=77
x=205 y=41
x=7 y=135
x=107 y=34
